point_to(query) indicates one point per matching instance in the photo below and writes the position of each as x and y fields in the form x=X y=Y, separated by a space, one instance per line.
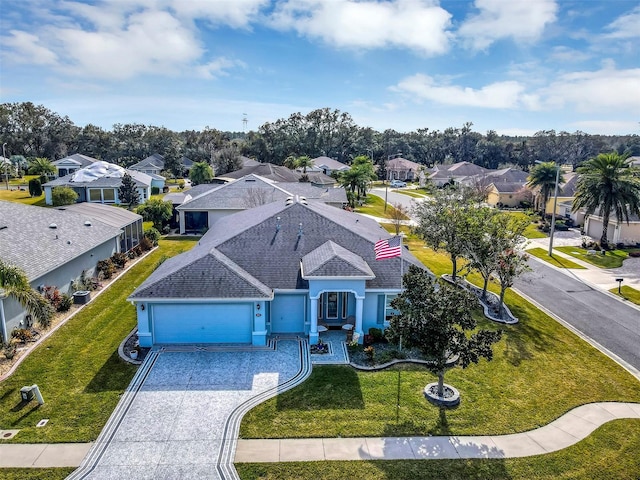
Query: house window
x=388 y=310
x=332 y=305
x=344 y=304
x=95 y=195
x=108 y=195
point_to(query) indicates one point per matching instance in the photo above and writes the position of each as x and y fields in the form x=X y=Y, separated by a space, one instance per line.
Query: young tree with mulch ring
x=436 y=318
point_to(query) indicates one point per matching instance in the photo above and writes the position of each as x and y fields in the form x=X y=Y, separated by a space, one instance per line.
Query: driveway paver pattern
x=180 y=415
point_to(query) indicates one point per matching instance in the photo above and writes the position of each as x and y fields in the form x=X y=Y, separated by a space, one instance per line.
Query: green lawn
x=612 y=259
x=532 y=229
x=556 y=260
x=374 y=205
x=78 y=369
x=22 y=197
x=610 y=452
x=409 y=193
x=35 y=473
x=628 y=293
x=503 y=396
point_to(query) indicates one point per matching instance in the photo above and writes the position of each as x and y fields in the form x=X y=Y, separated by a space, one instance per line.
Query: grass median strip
x=78 y=369
x=628 y=293
x=556 y=261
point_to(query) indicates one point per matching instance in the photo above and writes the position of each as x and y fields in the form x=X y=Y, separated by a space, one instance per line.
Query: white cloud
x=591 y=91
x=217 y=67
x=498 y=19
x=568 y=55
x=507 y=94
x=28 y=48
x=234 y=13
x=419 y=25
x=625 y=26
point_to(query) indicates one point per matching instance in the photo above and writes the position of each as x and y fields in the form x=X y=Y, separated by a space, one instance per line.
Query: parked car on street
x=397 y=183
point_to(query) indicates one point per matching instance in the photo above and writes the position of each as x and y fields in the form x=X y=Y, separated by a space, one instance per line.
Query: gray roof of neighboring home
x=460 y=169
x=508 y=187
x=178 y=198
x=400 y=163
x=568 y=188
x=253 y=190
x=507 y=175
x=332 y=260
x=81 y=160
x=155 y=161
x=266 y=170
x=28 y=241
x=109 y=214
x=248 y=162
x=269 y=242
x=330 y=163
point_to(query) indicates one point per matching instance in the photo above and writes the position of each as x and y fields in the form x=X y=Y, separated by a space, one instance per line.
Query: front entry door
x=333 y=308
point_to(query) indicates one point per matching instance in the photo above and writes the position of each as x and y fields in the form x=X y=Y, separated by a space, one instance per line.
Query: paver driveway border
x=226 y=454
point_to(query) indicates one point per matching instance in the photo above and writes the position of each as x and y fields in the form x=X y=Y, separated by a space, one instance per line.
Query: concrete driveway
x=180 y=416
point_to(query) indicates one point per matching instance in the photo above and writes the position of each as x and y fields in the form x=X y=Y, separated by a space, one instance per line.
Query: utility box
x=26 y=393
x=81 y=297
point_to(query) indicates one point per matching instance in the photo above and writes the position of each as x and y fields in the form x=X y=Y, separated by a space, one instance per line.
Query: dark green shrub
x=145 y=244
x=23 y=335
x=153 y=235
x=105 y=268
x=65 y=303
x=119 y=259
x=35 y=187
x=376 y=334
x=155 y=190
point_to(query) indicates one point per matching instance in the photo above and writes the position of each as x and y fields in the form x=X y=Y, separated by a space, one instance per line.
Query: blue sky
x=514 y=66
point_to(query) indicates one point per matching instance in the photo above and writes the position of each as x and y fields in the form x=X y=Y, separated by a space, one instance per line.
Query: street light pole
x=6 y=165
x=553 y=215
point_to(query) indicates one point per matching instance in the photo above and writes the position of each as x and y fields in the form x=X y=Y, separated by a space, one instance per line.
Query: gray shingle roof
x=329 y=163
x=78 y=158
x=266 y=170
x=267 y=243
x=332 y=260
x=28 y=241
x=109 y=214
x=155 y=161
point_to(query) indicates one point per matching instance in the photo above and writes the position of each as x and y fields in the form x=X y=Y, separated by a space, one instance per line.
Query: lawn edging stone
x=450 y=400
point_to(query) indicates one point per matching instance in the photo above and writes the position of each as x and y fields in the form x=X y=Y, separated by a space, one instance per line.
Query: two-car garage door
x=202 y=323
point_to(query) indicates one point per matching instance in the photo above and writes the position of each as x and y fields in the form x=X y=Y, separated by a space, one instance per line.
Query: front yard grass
x=375 y=206
x=628 y=293
x=532 y=229
x=35 y=473
x=78 y=369
x=612 y=259
x=610 y=452
x=20 y=196
x=556 y=261
x=540 y=371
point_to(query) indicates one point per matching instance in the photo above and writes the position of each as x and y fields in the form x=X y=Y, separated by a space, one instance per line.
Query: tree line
x=33 y=131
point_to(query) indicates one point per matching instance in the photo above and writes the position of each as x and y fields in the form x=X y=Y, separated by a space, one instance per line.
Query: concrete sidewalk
x=561 y=433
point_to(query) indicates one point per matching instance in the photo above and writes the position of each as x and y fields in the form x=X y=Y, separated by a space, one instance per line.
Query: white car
x=397 y=183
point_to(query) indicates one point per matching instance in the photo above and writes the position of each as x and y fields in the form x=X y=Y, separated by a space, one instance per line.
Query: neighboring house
x=327 y=166
x=566 y=192
x=200 y=211
x=458 y=172
x=99 y=182
x=281 y=268
x=248 y=162
x=128 y=222
x=501 y=194
x=617 y=232
x=72 y=164
x=180 y=197
x=276 y=173
x=402 y=169
x=154 y=165
x=53 y=247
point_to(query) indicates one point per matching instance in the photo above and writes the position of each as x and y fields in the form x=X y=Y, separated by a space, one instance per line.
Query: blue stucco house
x=281 y=268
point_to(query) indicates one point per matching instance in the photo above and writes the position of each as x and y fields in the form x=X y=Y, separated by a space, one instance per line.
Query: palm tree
x=609 y=183
x=201 y=172
x=14 y=284
x=304 y=162
x=41 y=166
x=357 y=178
x=543 y=175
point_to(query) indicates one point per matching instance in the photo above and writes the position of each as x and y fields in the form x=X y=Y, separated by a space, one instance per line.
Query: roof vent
x=289 y=201
x=53 y=225
x=87 y=223
x=300 y=230
x=278 y=224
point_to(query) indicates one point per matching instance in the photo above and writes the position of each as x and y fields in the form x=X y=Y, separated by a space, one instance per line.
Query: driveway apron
x=180 y=416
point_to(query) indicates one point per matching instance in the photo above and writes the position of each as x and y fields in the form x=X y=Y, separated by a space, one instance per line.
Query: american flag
x=388 y=248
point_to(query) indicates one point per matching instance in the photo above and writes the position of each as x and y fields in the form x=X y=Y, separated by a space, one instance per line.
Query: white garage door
x=212 y=323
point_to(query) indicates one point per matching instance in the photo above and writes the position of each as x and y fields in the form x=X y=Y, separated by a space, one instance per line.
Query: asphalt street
x=395 y=198
x=603 y=318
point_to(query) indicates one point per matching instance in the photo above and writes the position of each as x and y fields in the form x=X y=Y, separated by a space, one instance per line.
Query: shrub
x=9 y=350
x=165 y=189
x=181 y=184
x=145 y=244
x=105 y=268
x=63 y=196
x=376 y=334
x=35 y=187
x=155 y=190
x=370 y=352
x=635 y=254
x=153 y=235
x=52 y=294
x=65 y=303
x=23 y=335
x=166 y=229
x=119 y=259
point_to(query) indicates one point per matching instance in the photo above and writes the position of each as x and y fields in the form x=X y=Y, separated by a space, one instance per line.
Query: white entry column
x=313 y=321
x=358 y=327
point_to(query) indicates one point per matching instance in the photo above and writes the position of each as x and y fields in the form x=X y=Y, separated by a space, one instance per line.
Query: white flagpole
x=401 y=262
